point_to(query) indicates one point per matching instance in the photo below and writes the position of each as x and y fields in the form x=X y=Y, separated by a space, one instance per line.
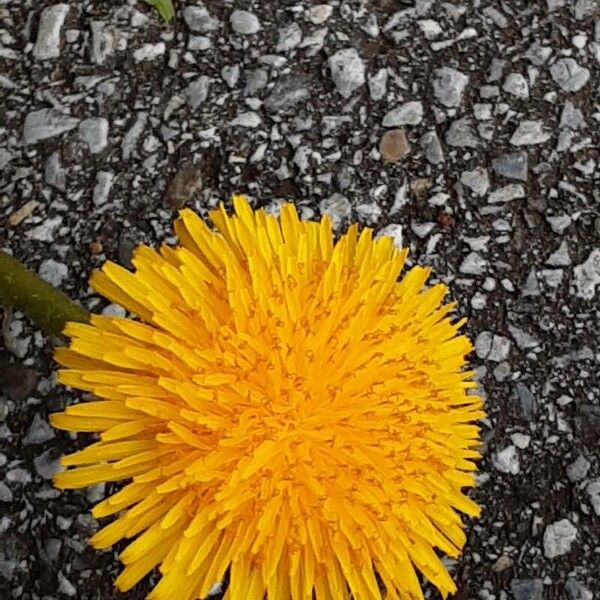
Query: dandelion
x=285 y=409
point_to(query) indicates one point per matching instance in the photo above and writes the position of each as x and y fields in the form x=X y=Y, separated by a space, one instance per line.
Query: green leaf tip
x=164 y=7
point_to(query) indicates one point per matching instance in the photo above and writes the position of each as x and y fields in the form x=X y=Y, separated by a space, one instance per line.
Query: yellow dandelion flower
x=285 y=408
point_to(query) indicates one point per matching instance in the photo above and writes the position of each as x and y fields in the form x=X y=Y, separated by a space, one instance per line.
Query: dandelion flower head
x=284 y=408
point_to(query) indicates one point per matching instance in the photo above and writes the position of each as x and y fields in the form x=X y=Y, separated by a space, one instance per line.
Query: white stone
x=302 y=158
x=565 y=140
x=587 y=276
x=529 y=133
x=508 y=285
x=507 y=461
x=478 y=300
x=247 y=119
x=5 y=158
x=199 y=42
x=538 y=54
x=558 y=538
x=18 y=474
x=439 y=199
x=489 y=91
x=431 y=29
x=401 y=198
x=244 y=22
x=564 y=400
x=492 y=347
x=54 y=175
x=449 y=85
x=430 y=142
x=551 y=277
x=132 y=136
x=65 y=586
x=522 y=338
x=512 y=191
x=473 y=264
x=47 y=465
x=369 y=212
x=483 y=112
x=512 y=165
x=287 y=93
x=45 y=231
x=113 y=310
x=53 y=272
x=289 y=37
x=103 y=42
x=94 y=133
x=314 y=42
x=559 y=223
x=378 y=84
x=6 y=494
x=409 y=113
x=149 y=52
x=521 y=440
x=197 y=91
x=47 y=44
x=478 y=244
x=198 y=19
x=231 y=75
x=567 y=73
x=476 y=180
x=46 y=123
x=104 y=181
x=571 y=117
x=531 y=287
x=593 y=491
x=422 y=230
x=347 y=71
x=461 y=134
x=489 y=284
x=496 y=16
x=39 y=431
x=516 y=85
x=319 y=13
x=578 y=469
x=256 y=80
x=139 y=19
x=500 y=349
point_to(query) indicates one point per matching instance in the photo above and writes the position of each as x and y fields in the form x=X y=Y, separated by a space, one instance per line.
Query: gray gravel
x=467 y=131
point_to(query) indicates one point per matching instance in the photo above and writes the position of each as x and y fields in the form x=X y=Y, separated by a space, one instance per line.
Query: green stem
x=46 y=306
